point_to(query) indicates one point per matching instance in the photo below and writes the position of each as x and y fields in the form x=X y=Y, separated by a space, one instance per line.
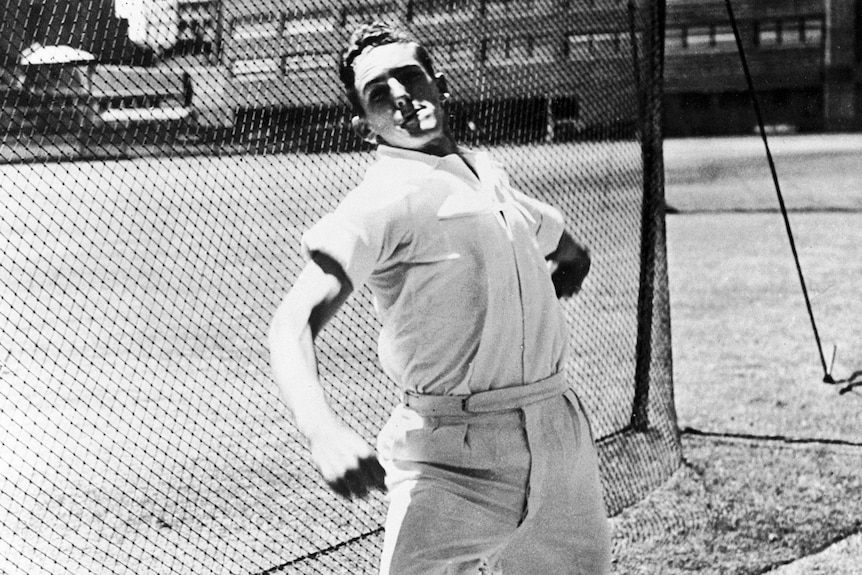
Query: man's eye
x=411 y=76
x=378 y=96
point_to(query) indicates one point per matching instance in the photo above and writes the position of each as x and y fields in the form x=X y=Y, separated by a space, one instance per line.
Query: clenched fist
x=347 y=463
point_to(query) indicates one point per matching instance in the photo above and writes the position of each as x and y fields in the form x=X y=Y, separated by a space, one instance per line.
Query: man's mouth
x=419 y=119
x=411 y=118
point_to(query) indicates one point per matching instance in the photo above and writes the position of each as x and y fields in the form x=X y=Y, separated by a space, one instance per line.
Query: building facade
x=574 y=55
x=572 y=60
x=805 y=57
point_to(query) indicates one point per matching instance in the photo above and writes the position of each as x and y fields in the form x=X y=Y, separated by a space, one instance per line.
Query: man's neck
x=441 y=146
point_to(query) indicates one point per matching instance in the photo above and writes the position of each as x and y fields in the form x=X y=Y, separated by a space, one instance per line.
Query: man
x=489 y=461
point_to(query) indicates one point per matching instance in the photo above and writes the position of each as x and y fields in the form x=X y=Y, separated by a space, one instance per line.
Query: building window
x=698 y=37
x=812 y=31
x=801 y=31
x=255 y=29
x=257 y=69
x=606 y=44
x=308 y=62
x=452 y=55
x=506 y=8
x=792 y=33
x=523 y=48
x=352 y=17
x=579 y=47
x=510 y=50
x=674 y=39
x=496 y=50
x=440 y=10
x=544 y=49
x=723 y=37
x=461 y=54
x=768 y=34
x=311 y=24
x=572 y=4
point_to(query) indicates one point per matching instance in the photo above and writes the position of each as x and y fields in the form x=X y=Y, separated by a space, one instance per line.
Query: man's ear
x=442 y=86
x=363 y=130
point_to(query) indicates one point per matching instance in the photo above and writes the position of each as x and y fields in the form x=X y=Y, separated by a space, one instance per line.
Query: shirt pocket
x=466 y=225
x=467 y=205
x=449 y=230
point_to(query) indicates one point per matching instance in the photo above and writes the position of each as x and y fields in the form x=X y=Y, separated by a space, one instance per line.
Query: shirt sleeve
x=549 y=221
x=358 y=235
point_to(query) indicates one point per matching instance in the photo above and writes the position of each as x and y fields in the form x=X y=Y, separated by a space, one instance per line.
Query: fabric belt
x=486 y=401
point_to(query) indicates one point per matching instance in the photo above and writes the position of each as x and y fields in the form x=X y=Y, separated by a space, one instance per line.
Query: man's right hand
x=347 y=463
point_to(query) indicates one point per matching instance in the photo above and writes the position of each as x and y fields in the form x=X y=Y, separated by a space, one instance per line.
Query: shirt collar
x=384 y=151
x=430 y=160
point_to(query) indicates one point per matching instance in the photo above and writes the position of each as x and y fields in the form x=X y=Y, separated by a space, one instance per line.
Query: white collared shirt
x=457 y=268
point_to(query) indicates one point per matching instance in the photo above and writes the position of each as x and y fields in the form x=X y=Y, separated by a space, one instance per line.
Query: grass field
x=741 y=328
x=774 y=475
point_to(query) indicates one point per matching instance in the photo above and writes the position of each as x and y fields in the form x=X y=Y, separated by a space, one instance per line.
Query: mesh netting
x=157 y=175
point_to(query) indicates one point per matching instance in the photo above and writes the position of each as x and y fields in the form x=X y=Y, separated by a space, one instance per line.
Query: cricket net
x=157 y=174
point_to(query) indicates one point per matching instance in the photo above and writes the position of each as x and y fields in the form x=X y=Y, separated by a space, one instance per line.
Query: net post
x=648 y=68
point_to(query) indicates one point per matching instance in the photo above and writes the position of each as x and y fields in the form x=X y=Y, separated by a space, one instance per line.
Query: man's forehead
x=378 y=60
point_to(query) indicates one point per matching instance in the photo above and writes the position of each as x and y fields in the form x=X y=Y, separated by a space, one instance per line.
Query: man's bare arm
x=569 y=264
x=345 y=460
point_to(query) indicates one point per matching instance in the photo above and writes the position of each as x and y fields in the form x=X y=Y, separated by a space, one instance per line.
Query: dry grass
x=746 y=362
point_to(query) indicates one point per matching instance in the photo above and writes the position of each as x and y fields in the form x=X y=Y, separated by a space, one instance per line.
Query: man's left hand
x=569 y=266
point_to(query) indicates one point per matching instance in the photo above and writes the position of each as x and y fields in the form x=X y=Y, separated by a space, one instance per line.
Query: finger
x=340 y=487
x=355 y=482
x=570 y=290
x=567 y=280
x=375 y=475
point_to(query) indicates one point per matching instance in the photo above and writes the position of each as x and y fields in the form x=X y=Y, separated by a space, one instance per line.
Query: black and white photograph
x=431 y=287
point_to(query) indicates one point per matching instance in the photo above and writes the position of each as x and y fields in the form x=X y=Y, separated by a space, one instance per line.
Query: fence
x=148 y=237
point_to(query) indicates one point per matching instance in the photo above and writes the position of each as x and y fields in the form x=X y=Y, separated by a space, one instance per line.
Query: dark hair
x=371 y=35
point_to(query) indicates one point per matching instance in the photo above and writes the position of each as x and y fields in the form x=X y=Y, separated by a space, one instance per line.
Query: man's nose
x=399 y=94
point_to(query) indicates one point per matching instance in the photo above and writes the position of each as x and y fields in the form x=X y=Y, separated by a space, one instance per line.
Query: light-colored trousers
x=515 y=492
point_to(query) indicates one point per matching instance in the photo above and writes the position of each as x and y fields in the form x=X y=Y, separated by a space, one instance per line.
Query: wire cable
x=827 y=378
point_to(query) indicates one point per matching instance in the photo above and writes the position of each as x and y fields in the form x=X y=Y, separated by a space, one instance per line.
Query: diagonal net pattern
x=157 y=173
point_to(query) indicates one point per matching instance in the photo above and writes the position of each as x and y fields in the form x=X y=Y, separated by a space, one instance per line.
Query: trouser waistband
x=486 y=401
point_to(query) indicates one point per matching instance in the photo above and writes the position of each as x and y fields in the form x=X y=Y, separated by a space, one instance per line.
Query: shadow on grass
x=742 y=506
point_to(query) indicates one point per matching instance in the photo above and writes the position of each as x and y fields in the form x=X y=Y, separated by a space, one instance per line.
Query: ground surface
x=772 y=454
x=139 y=427
x=745 y=356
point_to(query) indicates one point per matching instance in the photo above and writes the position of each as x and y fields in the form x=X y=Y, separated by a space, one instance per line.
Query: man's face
x=401 y=101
